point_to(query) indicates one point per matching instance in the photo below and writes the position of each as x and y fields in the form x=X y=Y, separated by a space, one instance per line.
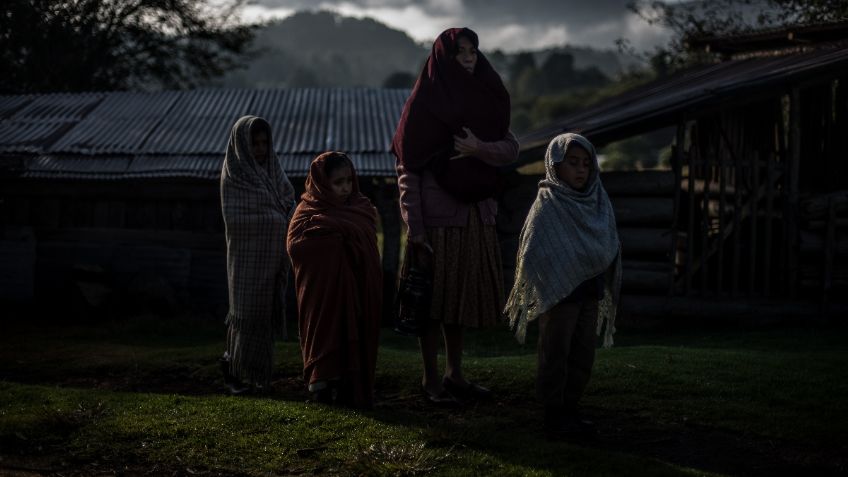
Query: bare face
x=259 y=145
x=341 y=182
x=575 y=168
x=466 y=54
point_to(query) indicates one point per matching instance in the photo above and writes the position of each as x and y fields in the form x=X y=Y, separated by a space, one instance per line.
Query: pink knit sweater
x=423 y=203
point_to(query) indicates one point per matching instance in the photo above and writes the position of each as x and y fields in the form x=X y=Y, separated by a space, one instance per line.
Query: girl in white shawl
x=257 y=201
x=568 y=274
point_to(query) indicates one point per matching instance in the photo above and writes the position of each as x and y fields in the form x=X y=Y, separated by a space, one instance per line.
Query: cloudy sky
x=510 y=25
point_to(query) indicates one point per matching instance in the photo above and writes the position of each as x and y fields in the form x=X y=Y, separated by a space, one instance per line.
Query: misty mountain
x=325 y=49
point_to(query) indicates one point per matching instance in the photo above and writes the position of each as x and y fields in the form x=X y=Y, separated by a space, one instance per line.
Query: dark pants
x=566 y=353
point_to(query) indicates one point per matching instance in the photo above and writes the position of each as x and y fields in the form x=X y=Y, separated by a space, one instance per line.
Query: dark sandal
x=443 y=399
x=472 y=391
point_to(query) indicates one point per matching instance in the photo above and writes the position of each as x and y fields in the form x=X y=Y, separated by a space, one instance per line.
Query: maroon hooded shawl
x=445 y=99
x=338 y=277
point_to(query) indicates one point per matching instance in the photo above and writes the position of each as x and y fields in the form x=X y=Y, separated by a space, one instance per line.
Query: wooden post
x=829 y=246
x=706 y=162
x=793 y=169
x=737 y=223
x=387 y=207
x=677 y=167
x=783 y=156
x=769 y=212
x=754 y=201
x=690 y=227
x=722 y=200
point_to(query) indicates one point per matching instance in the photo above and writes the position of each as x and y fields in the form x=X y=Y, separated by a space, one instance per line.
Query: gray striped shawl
x=568 y=237
x=257 y=201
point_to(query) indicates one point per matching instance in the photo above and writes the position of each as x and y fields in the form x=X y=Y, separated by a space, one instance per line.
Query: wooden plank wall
x=763 y=212
x=94 y=240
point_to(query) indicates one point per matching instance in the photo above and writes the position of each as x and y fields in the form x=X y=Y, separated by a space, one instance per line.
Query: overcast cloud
x=506 y=24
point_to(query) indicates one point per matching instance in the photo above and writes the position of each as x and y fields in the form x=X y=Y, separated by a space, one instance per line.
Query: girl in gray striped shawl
x=568 y=275
x=257 y=201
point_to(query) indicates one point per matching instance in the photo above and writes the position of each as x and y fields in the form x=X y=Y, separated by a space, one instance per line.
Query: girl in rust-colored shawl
x=332 y=242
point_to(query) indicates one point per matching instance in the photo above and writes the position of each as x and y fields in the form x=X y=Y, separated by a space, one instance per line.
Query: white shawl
x=568 y=237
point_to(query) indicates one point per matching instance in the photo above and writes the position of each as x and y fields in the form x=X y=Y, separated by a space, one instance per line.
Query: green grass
x=144 y=394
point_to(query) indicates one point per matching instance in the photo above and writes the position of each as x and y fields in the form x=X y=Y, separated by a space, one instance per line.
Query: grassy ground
x=144 y=395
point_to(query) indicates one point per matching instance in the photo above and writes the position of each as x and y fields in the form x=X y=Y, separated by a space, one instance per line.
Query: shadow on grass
x=145 y=356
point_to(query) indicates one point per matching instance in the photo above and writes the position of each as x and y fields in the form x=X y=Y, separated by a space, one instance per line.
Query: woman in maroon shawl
x=332 y=242
x=451 y=138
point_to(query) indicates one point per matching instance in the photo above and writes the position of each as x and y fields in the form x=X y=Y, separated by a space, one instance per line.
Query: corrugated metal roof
x=76 y=167
x=371 y=164
x=30 y=137
x=9 y=105
x=661 y=102
x=69 y=107
x=185 y=133
x=771 y=38
x=193 y=166
x=120 y=124
x=39 y=121
x=299 y=118
x=199 y=122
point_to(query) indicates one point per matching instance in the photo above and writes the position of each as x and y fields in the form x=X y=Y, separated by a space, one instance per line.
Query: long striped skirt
x=467 y=274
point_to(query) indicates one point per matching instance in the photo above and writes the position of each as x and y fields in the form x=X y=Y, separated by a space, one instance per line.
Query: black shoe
x=323 y=396
x=571 y=412
x=470 y=392
x=257 y=389
x=585 y=425
x=564 y=431
x=224 y=365
x=562 y=425
x=238 y=388
x=443 y=399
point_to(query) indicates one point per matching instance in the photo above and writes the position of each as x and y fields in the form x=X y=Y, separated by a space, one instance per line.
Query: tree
x=520 y=62
x=707 y=18
x=558 y=71
x=84 y=45
x=399 y=79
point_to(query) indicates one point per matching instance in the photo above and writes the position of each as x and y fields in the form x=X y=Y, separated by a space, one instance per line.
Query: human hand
x=466 y=146
x=420 y=241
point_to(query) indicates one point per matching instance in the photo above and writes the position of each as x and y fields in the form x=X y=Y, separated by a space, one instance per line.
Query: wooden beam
x=643 y=210
x=794 y=167
x=690 y=227
x=677 y=167
x=752 y=239
x=641 y=183
x=706 y=155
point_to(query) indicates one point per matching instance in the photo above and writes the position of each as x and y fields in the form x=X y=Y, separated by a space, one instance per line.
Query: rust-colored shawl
x=338 y=277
